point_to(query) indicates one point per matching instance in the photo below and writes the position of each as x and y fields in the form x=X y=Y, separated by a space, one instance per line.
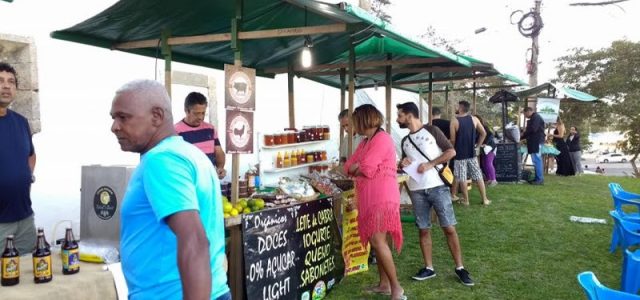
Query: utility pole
x=533 y=71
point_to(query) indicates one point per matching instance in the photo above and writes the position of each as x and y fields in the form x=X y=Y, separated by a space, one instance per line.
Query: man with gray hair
x=172 y=228
x=345 y=124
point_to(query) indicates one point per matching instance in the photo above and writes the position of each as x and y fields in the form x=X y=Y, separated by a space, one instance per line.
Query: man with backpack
x=428 y=147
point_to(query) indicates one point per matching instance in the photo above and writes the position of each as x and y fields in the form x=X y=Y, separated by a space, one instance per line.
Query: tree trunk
x=636 y=173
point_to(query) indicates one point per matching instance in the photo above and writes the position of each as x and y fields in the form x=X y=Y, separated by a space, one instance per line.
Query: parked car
x=612 y=157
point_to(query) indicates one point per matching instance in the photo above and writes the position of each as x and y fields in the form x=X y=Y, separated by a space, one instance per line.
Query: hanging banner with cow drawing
x=240 y=102
x=239 y=88
x=239 y=131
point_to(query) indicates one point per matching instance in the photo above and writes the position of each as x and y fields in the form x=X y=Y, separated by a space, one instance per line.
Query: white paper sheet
x=486 y=149
x=412 y=171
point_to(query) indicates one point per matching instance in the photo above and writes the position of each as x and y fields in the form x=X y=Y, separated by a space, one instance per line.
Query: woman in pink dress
x=373 y=165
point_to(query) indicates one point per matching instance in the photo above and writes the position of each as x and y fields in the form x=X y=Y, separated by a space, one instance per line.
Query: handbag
x=445 y=172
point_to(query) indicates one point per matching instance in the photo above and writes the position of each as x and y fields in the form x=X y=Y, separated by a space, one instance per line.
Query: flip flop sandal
x=375 y=290
x=403 y=297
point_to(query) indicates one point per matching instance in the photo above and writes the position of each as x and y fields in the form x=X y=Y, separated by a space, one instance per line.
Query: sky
x=77 y=82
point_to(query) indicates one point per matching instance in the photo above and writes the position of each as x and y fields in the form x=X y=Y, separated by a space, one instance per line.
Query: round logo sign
x=305 y=296
x=319 y=291
x=240 y=87
x=239 y=131
x=105 y=203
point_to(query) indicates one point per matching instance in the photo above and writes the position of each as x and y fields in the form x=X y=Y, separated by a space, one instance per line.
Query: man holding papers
x=424 y=151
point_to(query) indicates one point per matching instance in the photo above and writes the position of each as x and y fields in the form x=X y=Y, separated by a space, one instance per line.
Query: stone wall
x=20 y=52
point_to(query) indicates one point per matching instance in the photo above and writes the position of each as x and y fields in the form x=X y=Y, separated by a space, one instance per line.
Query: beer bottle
x=10 y=264
x=70 y=254
x=40 y=229
x=41 y=260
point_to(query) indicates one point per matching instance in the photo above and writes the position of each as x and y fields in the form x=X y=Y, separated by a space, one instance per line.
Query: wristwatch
x=33 y=178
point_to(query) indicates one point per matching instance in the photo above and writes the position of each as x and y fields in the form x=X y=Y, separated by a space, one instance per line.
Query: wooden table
x=92 y=282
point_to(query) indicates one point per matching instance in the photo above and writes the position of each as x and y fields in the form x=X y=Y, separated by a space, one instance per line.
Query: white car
x=612 y=157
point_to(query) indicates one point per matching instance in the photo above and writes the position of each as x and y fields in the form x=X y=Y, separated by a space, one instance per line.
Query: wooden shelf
x=294 y=145
x=296 y=167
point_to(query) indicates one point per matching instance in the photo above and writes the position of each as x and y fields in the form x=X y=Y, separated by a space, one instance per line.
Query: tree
x=379 y=9
x=431 y=37
x=612 y=74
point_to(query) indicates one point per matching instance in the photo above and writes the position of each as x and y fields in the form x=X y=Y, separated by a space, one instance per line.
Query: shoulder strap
x=418 y=148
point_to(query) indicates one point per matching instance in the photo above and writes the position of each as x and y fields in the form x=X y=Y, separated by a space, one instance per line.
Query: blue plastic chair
x=630 y=280
x=595 y=290
x=623 y=199
x=625 y=233
x=619 y=190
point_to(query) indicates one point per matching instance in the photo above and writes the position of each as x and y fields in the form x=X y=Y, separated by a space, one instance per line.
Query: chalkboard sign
x=292 y=252
x=506 y=162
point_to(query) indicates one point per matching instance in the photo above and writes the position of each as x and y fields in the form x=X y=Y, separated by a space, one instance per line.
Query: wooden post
x=292 y=109
x=352 y=87
x=236 y=267
x=474 y=95
x=343 y=85
x=166 y=53
x=430 y=98
x=387 y=87
x=446 y=101
x=420 y=106
x=535 y=51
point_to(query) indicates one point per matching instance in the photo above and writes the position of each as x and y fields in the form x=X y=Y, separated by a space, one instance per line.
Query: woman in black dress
x=563 y=160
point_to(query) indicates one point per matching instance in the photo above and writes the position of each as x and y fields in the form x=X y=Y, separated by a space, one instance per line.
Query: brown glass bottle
x=70 y=254
x=41 y=260
x=10 y=266
x=40 y=229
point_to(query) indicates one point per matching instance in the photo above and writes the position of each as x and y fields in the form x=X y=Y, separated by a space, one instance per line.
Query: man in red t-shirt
x=203 y=135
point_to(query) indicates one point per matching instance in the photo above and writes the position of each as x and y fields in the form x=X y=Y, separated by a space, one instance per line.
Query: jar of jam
x=309 y=133
x=303 y=136
x=291 y=137
x=269 y=139
x=325 y=132
x=298 y=137
x=277 y=139
x=310 y=157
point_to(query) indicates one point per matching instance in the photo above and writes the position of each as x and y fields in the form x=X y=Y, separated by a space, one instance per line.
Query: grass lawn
x=522 y=246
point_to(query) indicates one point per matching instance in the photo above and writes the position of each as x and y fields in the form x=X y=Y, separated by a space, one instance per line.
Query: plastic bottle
x=279 y=160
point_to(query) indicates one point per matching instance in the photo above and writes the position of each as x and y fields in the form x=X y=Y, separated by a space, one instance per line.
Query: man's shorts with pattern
x=465 y=168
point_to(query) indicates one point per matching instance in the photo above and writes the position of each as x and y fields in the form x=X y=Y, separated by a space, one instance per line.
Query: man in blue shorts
x=172 y=230
x=17 y=162
x=428 y=147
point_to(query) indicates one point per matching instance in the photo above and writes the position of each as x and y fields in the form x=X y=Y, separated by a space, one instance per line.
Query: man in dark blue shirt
x=18 y=160
x=534 y=134
x=466 y=130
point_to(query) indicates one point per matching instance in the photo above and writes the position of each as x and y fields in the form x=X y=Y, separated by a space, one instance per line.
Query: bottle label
x=70 y=259
x=42 y=266
x=10 y=267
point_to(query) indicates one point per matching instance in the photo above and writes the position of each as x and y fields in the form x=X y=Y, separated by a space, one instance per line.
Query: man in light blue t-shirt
x=172 y=230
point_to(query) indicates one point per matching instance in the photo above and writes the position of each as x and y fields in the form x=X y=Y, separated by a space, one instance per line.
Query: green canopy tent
x=186 y=32
x=554 y=90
